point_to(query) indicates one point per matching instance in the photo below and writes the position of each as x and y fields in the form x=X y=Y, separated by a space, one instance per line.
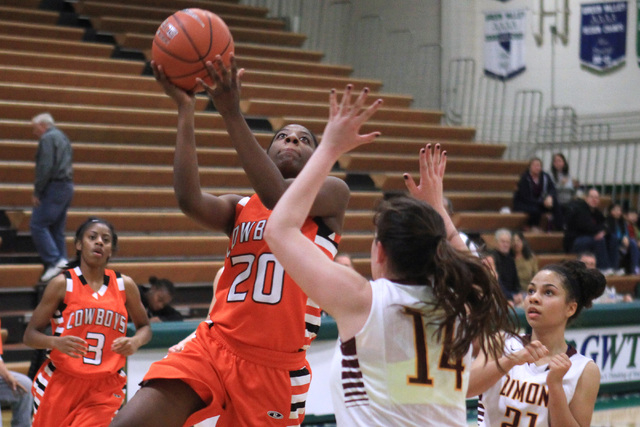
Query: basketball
x=185 y=41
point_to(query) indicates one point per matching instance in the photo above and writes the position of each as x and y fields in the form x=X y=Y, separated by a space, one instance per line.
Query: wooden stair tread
x=625 y=284
x=388 y=129
x=452 y=182
x=70 y=62
x=167 y=7
x=407 y=163
x=70 y=79
x=539 y=242
x=167 y=221
x=92 y=96
x=273 y=107
x=121 y=19
x=101 y=74
x=127 y=134
x=53 y=46
x=98 y=114
x=145 y=175
x=550 y=258
x=198 y=246
x=313 y=81
x=121 y=153
x=101 y=196
x=140 y=41
x=30 y=15
x=27 y=275
x=412 y=146
x=26 y=29
x=254 y=91
x=481 y=221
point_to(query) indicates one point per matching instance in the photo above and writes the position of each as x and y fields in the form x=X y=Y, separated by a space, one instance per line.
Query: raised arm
x=341 y=291
x=213 y=212
x=263 y=174
x=430 y=189
x=265 y=177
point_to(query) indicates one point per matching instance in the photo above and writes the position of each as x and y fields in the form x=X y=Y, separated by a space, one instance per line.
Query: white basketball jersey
x=393 y=372
x=521 y=397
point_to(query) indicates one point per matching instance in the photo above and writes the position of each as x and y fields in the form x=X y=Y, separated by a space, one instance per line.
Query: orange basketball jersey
x=97 y=317
x=257 y=303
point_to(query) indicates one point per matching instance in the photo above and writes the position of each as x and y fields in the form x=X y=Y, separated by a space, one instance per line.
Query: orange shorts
x=63 y=400
x=243 y=392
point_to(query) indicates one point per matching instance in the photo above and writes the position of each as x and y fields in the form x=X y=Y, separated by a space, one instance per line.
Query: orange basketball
x=185 y=41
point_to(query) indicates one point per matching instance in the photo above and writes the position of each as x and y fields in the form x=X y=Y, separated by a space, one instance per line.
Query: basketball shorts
x=63 y=400
x=242 y=392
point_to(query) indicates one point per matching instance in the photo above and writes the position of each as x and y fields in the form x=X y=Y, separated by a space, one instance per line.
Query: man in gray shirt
x=52 y=194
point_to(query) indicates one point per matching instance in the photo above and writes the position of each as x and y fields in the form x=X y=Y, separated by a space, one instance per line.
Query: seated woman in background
x=536 y=196
x=565 y=184
x=621 y=246
x=526 y=261
x=157 y=300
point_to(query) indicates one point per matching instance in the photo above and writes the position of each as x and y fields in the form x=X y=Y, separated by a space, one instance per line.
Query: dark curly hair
x=582 y=284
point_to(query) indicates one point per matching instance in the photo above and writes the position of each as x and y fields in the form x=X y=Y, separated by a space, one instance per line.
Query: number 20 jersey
x=97 y=317
x=257 y=303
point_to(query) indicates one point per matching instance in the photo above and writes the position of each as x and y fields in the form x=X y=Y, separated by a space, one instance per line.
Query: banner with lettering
x=603 y=35
x=614 y=350
x=504 y=43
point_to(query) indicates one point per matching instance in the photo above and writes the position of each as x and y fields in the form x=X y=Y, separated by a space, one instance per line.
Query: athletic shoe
x=54 y=270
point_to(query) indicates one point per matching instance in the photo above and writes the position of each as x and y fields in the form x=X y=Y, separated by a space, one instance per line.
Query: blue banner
x=603 y=35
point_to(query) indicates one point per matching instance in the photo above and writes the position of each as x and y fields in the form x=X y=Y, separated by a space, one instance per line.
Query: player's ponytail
x=472 y=301
x=467 y=296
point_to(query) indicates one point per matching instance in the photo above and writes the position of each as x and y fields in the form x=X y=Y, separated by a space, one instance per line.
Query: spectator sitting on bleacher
x=157 y=300
x=565 y=185
x=585 y=230
x=631 y=217
x=526 y=261
x=15 y=391
x=536 y=196
x=506 y=267
x=610 y=294
x=623 y=249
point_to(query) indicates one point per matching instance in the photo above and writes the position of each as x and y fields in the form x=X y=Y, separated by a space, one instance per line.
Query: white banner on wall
x=504 y=43
x=615 y=351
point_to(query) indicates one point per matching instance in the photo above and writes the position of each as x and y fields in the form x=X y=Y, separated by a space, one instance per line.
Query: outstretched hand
x=181 y=97
x=225 y=93
x=433 y=163
x=341 y=134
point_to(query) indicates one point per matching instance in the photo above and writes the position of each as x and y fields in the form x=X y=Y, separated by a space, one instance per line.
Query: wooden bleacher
x=122 y=128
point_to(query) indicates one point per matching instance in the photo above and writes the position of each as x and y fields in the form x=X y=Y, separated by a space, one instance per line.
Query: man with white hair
x=52 y=194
